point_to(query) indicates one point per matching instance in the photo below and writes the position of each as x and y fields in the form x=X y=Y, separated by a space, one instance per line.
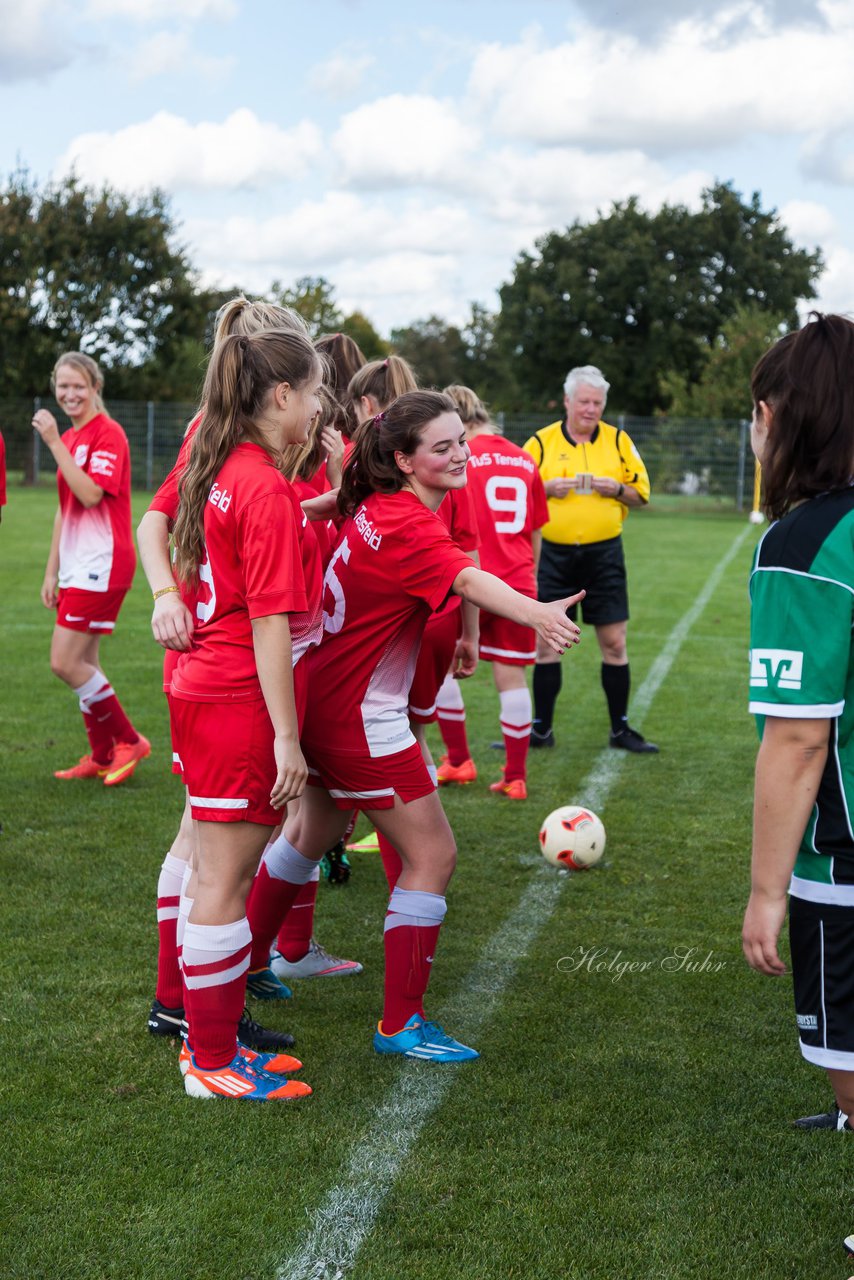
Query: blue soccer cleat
x=424 y=1040
x=240 y=1079
x=263 y=984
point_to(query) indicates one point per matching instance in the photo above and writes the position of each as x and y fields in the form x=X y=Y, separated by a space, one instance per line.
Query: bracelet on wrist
x=164 y=591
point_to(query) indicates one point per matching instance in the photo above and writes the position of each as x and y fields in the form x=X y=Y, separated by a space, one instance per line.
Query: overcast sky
x=408 y=152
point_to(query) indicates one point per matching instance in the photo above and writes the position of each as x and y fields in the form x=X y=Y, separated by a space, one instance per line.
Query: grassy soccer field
x=623 y=1122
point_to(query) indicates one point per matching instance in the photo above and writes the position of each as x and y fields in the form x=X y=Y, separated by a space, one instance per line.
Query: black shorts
x=822 y=943
x=599 y=568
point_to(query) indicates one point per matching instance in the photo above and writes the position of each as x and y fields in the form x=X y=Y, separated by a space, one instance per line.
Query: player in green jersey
x=802 y=691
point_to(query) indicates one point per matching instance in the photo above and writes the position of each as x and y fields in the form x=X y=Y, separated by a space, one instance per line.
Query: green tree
x=314 y=298
x=436 y=350
x=96 y=271
x=722 y=389
x=639 y=294
x=358 y=327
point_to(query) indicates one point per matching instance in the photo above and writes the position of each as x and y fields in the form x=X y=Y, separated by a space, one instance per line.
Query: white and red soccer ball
x=572 y=837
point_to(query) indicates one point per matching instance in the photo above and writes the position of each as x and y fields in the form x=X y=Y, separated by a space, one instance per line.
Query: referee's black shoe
x=628 y=739
x=832 y=1119
x=546 y=739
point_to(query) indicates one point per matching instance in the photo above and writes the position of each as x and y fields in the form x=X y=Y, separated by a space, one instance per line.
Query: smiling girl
x=394 y=563
x=91 y=562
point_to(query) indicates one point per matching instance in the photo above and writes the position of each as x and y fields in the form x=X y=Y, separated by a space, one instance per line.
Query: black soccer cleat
x=253 y=1036
x=167 y=1022
x=546 y=739
x=832 y=1119
x=628 y=739
x=336 y=865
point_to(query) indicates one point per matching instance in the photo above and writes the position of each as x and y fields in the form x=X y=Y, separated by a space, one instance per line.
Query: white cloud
x=143 y=11
x=34 y=41
x=341 y=75
x=401 y=140
x=167 y=151
x=318 y=235
x=174 y=53
x=809 y=223
x=689 y=89
x=648 y=18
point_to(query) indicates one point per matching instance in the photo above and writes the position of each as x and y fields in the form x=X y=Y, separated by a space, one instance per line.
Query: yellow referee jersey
x=587 y=517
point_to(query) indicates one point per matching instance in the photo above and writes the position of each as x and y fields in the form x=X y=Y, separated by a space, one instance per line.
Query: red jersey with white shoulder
x=394 y=564
x=96 y=551
x=252 y=569
x=510 y=504
x=457 y=512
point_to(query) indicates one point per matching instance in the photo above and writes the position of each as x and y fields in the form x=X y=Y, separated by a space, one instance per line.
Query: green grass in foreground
x=614 y=1127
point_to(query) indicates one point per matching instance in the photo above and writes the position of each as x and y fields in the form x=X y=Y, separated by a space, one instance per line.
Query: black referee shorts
x=822 y=944
x=599 y=568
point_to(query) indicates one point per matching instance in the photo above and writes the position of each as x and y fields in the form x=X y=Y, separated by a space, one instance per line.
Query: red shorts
x=226 y=752
x=504 y=641
x=300 y=698
x=434 y=662
x=362 y=782
x=94 y=611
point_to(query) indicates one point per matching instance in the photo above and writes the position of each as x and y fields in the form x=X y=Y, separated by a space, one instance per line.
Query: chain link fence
x=695 y=457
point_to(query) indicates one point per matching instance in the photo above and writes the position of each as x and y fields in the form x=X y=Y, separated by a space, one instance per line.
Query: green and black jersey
x=802 y=666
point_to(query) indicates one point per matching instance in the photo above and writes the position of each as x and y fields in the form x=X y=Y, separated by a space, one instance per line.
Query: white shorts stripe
x=422 y=711
x=835 y=1059
x=508 y=653
x=102 y=626
x=217 y=802
x=361 y=795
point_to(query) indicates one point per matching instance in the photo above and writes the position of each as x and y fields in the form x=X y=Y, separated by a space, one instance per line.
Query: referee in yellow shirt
x=592 y=474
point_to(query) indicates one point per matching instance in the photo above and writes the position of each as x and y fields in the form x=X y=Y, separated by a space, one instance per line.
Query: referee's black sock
x=547 y=681
x=616 y=683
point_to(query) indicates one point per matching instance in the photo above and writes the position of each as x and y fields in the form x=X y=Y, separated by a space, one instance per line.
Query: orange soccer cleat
x=86 y=767
x=462 y=774
x=126 y=756
x=515 y=790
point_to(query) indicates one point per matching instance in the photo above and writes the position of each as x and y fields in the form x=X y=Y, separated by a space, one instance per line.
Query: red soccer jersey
x=96 y=551
x=252 y=569
x=394 y=563
x=510 y=503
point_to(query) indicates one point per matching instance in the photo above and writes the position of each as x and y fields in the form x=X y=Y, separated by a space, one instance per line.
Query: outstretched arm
x=548 y=620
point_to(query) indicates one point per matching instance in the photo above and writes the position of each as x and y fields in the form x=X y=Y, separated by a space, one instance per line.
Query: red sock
x=215 y=959
x=296 y=933
x=268 y=904
x=100 y=737
x=452 y=726
x=169 y=989
x=408 y=956
x=517 y=754
x=108 y=714
x=392 y=865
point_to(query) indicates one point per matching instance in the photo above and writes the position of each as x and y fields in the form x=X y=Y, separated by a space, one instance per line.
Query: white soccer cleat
x=316 y=963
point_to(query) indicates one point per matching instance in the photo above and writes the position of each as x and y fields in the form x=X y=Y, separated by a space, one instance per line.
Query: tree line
x=674 y=306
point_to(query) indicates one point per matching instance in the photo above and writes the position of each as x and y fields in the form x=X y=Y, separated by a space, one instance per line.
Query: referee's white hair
x=586 y=375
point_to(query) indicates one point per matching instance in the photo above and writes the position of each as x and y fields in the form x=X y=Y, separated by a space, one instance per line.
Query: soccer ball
x=572 y=837
x=756 y=517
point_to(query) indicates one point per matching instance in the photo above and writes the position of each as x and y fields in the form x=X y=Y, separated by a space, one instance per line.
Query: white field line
x=348 y=1211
